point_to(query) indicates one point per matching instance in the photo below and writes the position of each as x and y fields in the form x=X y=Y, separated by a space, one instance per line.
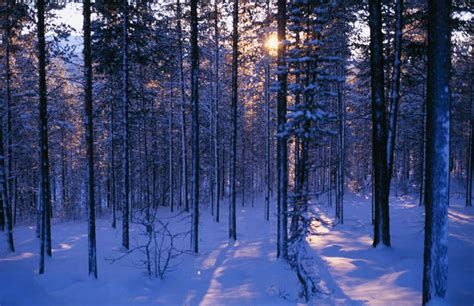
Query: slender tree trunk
x=379 y=133
x=267 y=139
x=267 y=123
x=423 y=154
x=470 y=170
x=242 y=172
x=232 y=204
x=16 y=201
x=146 y=195
x=195 y=123
x=435 y=269
x=89 y=135
x=4 y=171
x=184 y=162
x=113 y=192
x=170 y=145
x=211 y=146
x=63 y=173
x=252 y=171
x=341 y=144
x=5 y=199
x=282 y=155
x=8 y=104
x=216 y=113
x=44 y=199
x=395 y=93
x=125 y=106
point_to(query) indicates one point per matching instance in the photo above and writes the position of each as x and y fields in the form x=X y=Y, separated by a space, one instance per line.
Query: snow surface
x=244 y=272
x=392 y=275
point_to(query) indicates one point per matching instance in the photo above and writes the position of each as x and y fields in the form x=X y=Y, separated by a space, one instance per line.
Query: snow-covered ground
x=245 y=272
x=392 y=276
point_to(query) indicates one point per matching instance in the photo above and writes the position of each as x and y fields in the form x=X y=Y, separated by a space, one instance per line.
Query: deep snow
x=245 y=272
x=392 y=276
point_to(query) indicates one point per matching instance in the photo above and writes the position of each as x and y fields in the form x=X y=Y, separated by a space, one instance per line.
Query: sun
x=272 y=42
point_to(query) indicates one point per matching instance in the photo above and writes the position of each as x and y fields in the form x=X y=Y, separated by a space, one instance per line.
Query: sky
x=71 y=15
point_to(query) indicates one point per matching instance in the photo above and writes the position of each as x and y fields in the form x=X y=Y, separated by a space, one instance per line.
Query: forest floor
x=245 y=272
x=392 y=276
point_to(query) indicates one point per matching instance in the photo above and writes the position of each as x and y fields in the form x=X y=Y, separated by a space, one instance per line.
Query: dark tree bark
x=421 y=201
x=5 y=199
x=235 y=59
x=89 y=135
x=126 y=153
x=379 y=127
x=195 y=123
x=395 y=93
x=184 y=158
x=44 y=198
x=282 y=150
x=267 y=139
x=435 y=269
x=4 y=172
x=216 y=113
x=113 y=194
x=470 y=170
x=170 y=156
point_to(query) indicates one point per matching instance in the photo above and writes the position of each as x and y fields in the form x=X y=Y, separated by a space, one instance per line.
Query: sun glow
x=272 y=42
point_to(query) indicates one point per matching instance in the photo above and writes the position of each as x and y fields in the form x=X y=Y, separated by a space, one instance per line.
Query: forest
x=236 y=152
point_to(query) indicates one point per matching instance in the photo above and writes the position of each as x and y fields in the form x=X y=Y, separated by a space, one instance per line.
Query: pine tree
x=435 y=268
x=282 y=150
x=195 y=124
x=184 y=157
x=379 y=127
x=89 y=135
x=44 y=198
x=125 y=127
x=4 y=171
x=235 y=59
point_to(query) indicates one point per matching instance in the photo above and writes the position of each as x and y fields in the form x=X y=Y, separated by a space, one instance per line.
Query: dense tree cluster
x=190 y=106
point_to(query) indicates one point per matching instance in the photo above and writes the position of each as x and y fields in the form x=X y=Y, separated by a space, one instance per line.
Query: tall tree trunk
x=145 y=148
x=216 y=113
x=470 y=170
x=423 y=153
x=195 y=123
x=5 y=199
x=170 y=145
x=63 y=173
x=235 y=40
x=435 y=269
x=125 y=106
x=395 y=93
x=113 y=194
x=267 y=123
x=44 y=198
x=282 y=150
x=89 y=135
x=4 y=171
x=379 y=133
x=341 y=144
x=267 y=139
x=184 y=158
x=8 y=104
